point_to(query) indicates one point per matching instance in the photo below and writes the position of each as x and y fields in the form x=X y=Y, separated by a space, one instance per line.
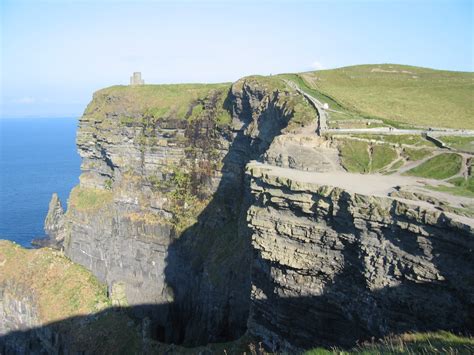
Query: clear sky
x=55 y=54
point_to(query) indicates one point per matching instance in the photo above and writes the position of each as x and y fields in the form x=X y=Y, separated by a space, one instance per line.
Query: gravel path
x=366 y=184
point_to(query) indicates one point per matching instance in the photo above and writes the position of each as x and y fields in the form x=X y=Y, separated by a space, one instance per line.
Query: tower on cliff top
x=136 y=79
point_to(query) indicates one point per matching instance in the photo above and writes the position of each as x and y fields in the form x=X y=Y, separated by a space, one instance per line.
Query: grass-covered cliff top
x=400 y=93
x=397 y=94
x=130 y=104
x=156 y=101
x=60 y=288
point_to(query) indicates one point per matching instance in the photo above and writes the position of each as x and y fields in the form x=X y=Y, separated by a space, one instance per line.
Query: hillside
x=404 y=94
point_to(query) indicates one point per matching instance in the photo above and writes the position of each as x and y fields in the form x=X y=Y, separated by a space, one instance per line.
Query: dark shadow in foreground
x=125 y=330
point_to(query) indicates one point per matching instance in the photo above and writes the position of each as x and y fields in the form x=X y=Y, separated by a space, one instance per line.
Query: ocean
x=37 y=157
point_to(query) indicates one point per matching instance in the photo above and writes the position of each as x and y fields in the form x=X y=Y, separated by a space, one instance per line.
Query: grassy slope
x=62 y=289
x=414 y=343
x=441 y=166
x=361 y=157
x=399 y=93
x=88 y=198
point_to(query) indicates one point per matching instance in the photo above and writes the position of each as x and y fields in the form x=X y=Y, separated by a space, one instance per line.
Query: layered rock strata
x=334 y=267
x=156 y=214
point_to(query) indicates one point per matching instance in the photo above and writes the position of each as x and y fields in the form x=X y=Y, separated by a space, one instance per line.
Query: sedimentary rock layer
x=334 y=267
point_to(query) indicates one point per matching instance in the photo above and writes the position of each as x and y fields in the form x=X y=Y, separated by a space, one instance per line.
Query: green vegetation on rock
x=83 y=198
x=285 y=97
x=441 y=166
x=155 y=101
x=399 y=139
x=61 y=288
x=399 y=93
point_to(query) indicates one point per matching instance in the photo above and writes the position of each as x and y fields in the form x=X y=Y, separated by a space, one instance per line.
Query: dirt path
x=322 y=116
x=372 y=185
x=367 y=184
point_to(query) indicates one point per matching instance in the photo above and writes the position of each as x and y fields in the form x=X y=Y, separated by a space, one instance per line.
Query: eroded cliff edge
x=165 y=215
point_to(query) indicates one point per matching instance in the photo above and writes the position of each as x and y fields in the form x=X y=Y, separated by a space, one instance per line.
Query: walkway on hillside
x=396 y=131
x=323 y=125
x=318 y=105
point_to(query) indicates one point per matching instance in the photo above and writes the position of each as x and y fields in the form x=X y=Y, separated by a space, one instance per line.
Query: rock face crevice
x=208 y=266
x=333 y=267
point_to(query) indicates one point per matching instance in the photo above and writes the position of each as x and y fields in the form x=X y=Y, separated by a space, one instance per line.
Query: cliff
x=156 y=214
x=333 y=266
x=201 y=244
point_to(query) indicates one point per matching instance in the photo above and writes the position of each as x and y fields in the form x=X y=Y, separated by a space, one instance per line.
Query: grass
x=361 y=157
x=267 y=83
x=398 y=164
x=440 y=342
x=382 y=155
x=439 y=167
x=402 y=139
x=461 y=187
x=296 y=78
x=355 y=156
x=157 y=101
x=416 y=154
x=62 y=289
x=461 y=143
x=467 y=184
x=399 y=93
x=89 y=199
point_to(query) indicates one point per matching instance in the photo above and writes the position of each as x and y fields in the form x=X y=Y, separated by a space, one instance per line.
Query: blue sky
x=55 y=54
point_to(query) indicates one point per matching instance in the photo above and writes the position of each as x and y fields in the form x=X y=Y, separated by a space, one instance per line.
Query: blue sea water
x=37 y=157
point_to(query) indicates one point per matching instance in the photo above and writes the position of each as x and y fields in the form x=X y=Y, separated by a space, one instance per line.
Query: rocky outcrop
x=54 y=222
x=333 y=267
x=303 y=152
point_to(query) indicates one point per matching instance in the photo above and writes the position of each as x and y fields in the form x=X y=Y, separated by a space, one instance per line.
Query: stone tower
x=136 y=79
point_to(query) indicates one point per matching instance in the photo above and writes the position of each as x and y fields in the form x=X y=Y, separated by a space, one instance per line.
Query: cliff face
x=165 y=215
x=333 y=267
x=156 y=214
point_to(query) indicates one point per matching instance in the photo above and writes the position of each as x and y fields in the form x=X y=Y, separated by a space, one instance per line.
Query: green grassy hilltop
x=398 y=93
